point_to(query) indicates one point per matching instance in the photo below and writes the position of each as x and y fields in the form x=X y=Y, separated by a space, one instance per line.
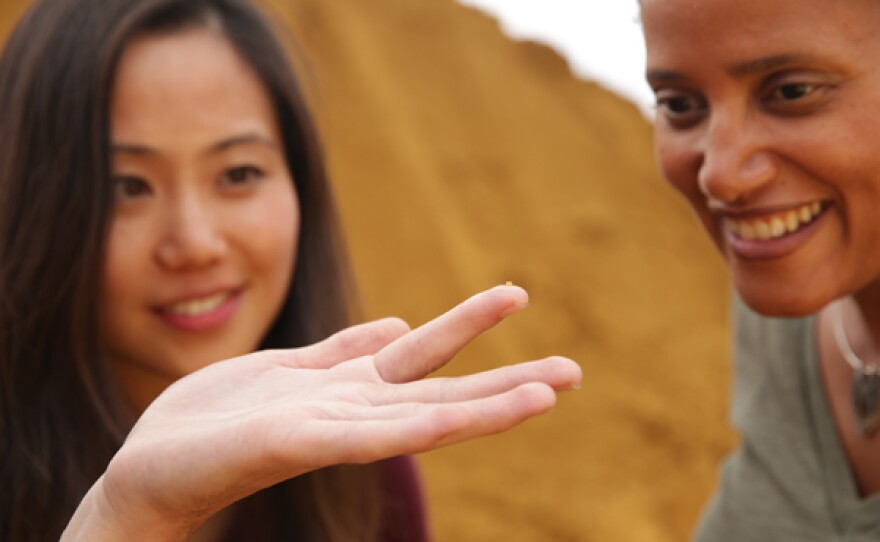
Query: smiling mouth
x=198 y=307
x=775 y=225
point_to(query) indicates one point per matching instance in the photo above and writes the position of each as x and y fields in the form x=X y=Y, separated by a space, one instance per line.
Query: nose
x=192 y=236
x=736 y=159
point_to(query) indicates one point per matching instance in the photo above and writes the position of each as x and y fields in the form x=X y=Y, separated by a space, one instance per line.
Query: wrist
x=100 y=518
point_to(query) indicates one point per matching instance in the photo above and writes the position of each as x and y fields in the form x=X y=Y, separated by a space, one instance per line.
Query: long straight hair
x=61 y=413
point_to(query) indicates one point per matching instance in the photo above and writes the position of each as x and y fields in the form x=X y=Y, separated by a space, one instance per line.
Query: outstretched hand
x=241 y=425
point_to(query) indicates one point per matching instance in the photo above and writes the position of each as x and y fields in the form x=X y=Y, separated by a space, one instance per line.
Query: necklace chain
x=843 y=345
x=865 y=382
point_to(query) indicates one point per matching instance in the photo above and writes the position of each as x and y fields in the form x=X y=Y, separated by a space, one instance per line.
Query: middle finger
x=428 y=347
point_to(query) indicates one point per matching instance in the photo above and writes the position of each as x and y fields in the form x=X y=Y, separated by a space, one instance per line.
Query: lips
x=204 y=313
x=773 y=235
x=775 y=225
x=196 y=307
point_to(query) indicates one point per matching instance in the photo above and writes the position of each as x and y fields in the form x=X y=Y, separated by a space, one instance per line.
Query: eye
x=241 y=176
x=797 y=94
x=130 y=188
x=680 y=109
x=794 y=91
x=677 y=105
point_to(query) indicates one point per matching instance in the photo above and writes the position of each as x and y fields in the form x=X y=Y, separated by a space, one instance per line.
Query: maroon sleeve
x=404 y=518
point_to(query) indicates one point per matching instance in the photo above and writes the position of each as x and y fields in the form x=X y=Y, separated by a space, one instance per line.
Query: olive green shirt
x=789 y=480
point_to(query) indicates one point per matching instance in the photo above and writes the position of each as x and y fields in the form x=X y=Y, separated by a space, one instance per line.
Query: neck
x=868 y=301
x=861 y=322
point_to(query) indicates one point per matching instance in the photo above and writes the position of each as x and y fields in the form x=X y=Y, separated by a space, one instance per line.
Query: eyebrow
x=740 y=70
x=242 y=139
x=664 y=76
x=760 y=65
x=126 y=148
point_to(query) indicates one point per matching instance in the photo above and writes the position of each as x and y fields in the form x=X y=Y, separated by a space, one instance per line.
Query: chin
x=211 y=356
x=787 y=301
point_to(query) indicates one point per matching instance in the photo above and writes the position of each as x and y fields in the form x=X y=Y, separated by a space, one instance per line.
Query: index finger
x=430 y=346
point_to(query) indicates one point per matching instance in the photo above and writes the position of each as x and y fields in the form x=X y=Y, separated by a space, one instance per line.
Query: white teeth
x=791 y=221
x=806 y=214
x=199 y=306
x=762 y=230
x=774 y=227
x=777 y=227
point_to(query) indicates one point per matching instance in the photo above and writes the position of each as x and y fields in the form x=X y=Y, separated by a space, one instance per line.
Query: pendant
x=866 y=400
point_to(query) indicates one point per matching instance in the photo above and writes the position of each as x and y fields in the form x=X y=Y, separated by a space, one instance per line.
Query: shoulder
x=771 y=486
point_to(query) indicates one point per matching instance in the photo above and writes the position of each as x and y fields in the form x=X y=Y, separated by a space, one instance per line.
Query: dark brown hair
x=61 y=415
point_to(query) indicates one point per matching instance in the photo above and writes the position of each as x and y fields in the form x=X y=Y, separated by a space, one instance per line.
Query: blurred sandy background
x=464 y=159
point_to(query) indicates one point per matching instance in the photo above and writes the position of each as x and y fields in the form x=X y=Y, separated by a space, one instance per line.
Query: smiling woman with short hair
x=768 y=117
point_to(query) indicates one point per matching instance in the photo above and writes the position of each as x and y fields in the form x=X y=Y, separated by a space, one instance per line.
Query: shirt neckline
x=849 y=508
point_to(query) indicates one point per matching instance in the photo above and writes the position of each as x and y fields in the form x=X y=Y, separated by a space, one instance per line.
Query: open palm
x=244 y=424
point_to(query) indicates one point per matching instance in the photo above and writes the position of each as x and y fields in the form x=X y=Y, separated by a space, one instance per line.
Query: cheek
x=123 y=265
x=680 y=168
x=273 y=235
x=125 y=273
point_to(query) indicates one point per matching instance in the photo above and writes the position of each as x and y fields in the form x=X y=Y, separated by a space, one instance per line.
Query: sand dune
x=463 y=159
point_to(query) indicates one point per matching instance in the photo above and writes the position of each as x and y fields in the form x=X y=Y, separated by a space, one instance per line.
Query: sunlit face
x=203 y=235
x=768 y=121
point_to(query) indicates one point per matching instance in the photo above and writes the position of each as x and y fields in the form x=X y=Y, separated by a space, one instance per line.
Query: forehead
x=188 y=83
x=735 y=30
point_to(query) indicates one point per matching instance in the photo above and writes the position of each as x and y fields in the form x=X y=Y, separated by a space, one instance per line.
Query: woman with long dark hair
x=164 y=206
